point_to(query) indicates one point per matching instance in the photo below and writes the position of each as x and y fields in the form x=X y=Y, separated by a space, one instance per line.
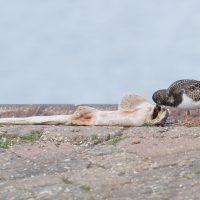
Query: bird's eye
x=156 y=110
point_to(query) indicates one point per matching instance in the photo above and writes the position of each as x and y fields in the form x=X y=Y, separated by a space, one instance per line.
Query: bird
x=182 y=94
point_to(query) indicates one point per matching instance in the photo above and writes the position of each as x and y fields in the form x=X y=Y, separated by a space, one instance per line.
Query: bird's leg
x=197 y=121
x=187 y=118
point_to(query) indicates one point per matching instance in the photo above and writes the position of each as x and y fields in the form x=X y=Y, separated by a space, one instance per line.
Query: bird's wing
x=193 y=90
x=179 y=85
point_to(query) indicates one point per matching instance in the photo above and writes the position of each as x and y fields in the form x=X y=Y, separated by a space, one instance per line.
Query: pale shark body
x=133 y=110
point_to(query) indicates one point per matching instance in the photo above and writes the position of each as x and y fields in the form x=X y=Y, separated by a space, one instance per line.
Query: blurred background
x=94 y=51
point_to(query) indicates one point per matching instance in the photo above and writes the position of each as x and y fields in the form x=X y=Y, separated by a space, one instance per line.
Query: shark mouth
x=156 y=110
x=159 y=115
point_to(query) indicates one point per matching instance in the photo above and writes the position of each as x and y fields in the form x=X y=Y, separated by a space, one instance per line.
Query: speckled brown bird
x=183 y=94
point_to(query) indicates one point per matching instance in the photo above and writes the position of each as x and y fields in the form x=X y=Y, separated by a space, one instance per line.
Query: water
x=94 y=51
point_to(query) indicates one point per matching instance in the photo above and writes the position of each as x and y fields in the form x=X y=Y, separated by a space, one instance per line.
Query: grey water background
x=94 y=51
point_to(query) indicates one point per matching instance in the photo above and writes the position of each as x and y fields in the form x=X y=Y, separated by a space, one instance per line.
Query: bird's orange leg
x=187 y=118
x=197 y=122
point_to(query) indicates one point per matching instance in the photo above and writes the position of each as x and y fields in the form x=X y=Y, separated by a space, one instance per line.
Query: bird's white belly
x=189 y=103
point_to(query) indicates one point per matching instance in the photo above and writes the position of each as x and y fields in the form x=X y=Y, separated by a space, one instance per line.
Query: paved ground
x=108 y=163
